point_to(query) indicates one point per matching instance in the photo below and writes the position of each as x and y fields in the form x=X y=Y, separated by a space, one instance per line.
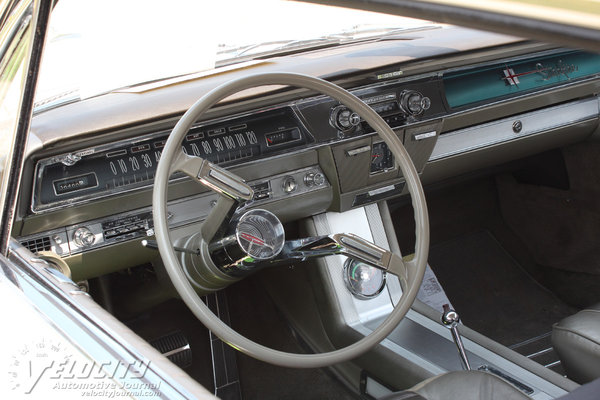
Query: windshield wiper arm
x=276 y=46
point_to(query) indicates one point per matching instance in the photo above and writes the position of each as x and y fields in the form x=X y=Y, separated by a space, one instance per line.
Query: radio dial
x=414 y=103
x=344 y=119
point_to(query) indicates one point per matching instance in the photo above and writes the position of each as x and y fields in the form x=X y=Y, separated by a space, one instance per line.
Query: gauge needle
x=252 y=239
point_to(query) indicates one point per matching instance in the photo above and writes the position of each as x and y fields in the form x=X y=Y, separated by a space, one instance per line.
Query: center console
x=420 y=339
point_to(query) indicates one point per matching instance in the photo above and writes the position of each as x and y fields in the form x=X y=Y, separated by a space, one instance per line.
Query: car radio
x=396 y=108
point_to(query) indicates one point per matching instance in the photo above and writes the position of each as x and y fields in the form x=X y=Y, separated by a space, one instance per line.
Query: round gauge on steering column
x=260 y=234
x=362 y=280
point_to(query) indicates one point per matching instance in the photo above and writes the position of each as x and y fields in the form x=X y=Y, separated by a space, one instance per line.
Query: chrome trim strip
x=176 y=351
x=552 y=364
x=502 y=130
x=539 y=353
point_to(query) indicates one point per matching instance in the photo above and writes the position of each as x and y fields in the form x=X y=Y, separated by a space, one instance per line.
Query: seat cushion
x=462 y=385
x=576 y=340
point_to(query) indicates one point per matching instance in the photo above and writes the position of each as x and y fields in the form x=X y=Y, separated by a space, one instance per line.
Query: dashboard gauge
x=260 y=234
x=363 y=280
x=382 y=158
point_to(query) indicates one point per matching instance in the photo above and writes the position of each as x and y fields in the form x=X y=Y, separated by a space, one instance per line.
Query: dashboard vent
x=39 y=244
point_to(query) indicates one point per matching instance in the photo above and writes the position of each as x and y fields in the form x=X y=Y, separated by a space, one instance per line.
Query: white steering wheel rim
x=415 y=268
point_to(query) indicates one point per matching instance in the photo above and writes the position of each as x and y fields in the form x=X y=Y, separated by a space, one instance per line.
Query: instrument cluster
x=131 y=164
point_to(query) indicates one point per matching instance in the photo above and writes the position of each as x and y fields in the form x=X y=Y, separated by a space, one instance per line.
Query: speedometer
x=131 y=164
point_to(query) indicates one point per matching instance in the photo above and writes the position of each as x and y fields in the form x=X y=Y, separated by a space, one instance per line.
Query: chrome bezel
x=361 y=296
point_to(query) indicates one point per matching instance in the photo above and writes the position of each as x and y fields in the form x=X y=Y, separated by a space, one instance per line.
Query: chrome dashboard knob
x=289 y=184
x=318 y=179
x=344 y=119
x=413 y=102
x=84 y=237
x=314 y=179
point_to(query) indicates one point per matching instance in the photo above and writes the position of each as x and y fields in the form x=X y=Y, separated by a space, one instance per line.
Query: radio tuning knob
x=413 y=102
x=344 y=119
x=84 y=237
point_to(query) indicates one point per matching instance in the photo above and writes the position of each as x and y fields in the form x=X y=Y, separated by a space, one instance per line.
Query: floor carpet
x=491 y=291
x=255 y=315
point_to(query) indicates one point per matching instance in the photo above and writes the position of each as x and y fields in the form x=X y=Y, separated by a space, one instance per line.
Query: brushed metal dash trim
x=491 y=133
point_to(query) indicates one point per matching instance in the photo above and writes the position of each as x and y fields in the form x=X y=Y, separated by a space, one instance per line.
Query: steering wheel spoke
x=399 y=268
x=363 y=250
x=214 y=177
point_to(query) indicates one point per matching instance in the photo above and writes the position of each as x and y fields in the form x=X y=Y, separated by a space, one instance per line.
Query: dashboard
x=87 y=196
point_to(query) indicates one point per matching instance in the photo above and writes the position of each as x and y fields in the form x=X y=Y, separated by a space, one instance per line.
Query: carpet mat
x=255 y=315
x=491 y=291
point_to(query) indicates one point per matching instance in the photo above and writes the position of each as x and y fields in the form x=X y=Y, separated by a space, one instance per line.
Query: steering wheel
x=173 y=159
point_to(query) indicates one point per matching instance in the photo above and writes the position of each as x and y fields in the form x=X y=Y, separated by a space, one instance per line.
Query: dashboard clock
x=382 y=158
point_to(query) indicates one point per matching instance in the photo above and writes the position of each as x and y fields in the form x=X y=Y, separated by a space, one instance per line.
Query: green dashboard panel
x=507 y=79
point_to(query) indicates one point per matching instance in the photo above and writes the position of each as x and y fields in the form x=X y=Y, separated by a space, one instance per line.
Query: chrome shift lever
x=450 y=320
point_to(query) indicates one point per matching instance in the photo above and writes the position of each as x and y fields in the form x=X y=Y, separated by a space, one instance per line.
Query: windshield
x=96 y=46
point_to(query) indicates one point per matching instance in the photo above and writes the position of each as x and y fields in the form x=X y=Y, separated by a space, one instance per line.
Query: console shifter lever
x=450 y=320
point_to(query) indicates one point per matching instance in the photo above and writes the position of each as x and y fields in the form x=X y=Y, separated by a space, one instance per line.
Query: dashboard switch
x=318 y=179
x=289 y=184
x=84 y=237
x=357 y=151
x=314 y=179
x=423 y=136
